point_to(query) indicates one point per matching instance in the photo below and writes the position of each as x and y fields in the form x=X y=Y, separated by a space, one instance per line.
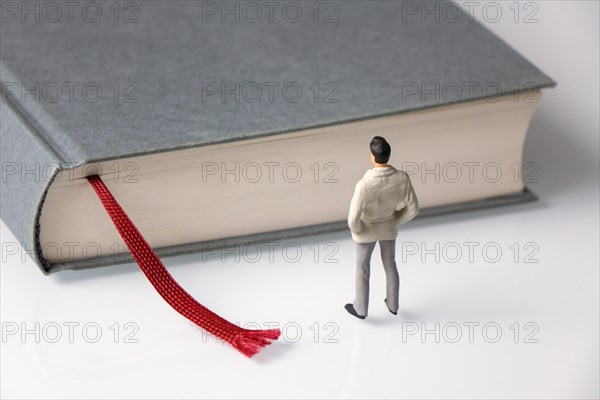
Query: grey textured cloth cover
x=152 y=75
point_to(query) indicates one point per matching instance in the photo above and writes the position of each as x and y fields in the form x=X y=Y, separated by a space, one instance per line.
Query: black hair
x=380 y=149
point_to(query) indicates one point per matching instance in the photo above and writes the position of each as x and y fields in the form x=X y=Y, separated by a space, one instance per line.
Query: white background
x=558 y=294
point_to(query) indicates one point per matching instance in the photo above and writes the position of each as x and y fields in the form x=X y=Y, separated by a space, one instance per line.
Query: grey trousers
x=363 y=272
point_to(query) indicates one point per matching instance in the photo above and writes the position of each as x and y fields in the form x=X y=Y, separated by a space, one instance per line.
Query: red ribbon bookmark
x=247 y=341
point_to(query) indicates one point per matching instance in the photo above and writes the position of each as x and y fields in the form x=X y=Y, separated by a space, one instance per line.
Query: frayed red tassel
x=248 y=342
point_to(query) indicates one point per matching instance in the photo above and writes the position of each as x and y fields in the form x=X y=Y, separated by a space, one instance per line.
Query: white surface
x=560 y=293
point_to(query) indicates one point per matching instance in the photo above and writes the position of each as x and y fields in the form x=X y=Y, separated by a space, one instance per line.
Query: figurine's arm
x=411 y=205
x=356 y=209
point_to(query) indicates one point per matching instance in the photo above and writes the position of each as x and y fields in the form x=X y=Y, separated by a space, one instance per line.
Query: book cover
x=181 y=75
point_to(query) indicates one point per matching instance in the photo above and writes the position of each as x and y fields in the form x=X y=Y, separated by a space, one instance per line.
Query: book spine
x=29 y=165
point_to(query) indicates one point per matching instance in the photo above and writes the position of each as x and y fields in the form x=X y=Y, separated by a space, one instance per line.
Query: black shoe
x=350 y=308
x=395 y=313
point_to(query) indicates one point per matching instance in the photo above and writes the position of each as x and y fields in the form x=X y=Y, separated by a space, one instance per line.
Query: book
x=216 y=124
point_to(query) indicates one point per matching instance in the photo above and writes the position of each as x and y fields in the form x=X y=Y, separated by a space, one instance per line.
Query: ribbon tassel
x=247 y=341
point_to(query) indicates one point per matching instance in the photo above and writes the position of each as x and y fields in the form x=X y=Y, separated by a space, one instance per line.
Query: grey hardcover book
x=222 y=122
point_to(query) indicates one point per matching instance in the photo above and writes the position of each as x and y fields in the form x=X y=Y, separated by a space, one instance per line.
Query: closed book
x=215 y=125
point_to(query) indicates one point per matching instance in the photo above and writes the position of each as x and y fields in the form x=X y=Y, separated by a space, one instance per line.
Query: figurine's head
x=380 y=151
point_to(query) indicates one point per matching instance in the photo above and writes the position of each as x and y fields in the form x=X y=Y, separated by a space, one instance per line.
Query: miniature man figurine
x=383 y=199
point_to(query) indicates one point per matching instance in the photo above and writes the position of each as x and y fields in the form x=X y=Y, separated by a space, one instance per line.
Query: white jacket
x=383 y=199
